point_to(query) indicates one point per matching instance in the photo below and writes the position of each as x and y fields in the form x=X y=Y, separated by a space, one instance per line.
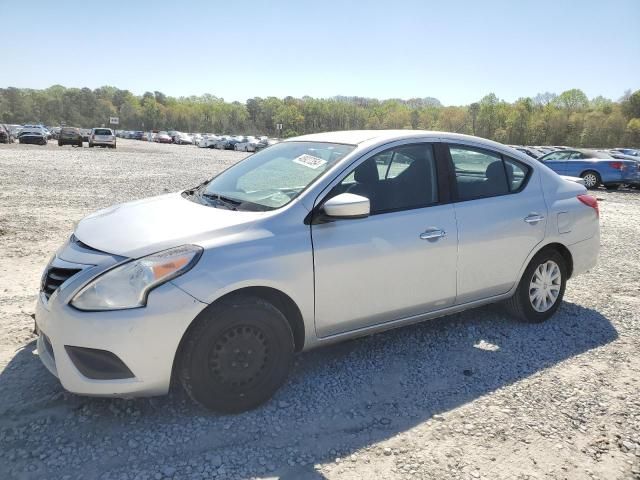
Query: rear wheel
x=237 y=355
x=60 y=144
x=541 y=288
x=591 y=179
x=90 y=145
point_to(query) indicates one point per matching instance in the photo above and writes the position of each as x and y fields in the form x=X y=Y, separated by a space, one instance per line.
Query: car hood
x=142 y=227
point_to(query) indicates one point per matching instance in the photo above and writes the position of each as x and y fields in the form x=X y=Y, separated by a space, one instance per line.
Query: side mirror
x=347 y=205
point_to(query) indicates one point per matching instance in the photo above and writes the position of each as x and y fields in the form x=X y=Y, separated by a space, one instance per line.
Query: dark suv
x=70 y=136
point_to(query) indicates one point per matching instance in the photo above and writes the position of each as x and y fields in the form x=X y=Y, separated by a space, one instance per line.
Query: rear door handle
x=433 y=234
x=534 y=218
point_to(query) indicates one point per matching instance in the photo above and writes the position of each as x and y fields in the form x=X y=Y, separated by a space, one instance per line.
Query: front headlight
x=128 y=285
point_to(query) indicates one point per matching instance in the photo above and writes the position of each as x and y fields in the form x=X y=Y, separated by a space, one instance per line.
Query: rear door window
x=479 y=173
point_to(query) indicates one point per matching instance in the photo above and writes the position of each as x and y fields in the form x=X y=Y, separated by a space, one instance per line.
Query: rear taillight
x=590 y=201
x=616 y=165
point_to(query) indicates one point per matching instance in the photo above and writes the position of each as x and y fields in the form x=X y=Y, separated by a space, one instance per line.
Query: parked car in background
x=628 y=151
x=532 y=152
x=102 y=137
x=33 y=135
x=595 y=167
x=246 y=144
x=207 y=140
x=231 y=142
x=163 y=137
x=264 y=143
x=55 y=132
x=5 y=134
x=545 y=150
x=15 y=130
x=182 y=139
x=196 y=137
x=634 y=181
x=137 y=135
x=222 y=142
x=70 y=136
x=86 y=133
x=188 y=285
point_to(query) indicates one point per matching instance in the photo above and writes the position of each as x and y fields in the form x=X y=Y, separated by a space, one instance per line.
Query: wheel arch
x=591 y=170
x=562 y=250
x=279 y=299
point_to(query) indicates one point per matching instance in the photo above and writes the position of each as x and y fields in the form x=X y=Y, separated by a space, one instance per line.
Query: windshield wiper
x=230 y=203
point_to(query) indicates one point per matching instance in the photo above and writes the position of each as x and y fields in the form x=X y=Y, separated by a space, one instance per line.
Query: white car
x=102 y=137
x=183 y=139
x=311 y=241
x=247 y=144
x=208 y=141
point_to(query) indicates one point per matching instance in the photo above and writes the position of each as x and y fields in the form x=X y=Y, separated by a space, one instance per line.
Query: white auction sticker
x=309 y=161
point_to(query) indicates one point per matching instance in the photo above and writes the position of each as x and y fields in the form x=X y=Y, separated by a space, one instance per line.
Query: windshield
x=273 y=177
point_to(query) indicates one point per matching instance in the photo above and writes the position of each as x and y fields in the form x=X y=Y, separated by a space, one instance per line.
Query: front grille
x=55 y=277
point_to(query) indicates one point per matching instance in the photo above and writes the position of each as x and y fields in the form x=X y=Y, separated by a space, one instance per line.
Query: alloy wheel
x=590 y=180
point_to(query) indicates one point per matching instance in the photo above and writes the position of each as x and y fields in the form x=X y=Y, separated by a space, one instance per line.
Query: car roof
x=356 y=137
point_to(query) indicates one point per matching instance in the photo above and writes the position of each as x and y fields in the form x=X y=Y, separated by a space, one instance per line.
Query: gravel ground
x=473 y=395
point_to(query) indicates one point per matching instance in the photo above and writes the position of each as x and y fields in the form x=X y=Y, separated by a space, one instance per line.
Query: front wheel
x=591 y=180
x=237 y=355
x=541 y=288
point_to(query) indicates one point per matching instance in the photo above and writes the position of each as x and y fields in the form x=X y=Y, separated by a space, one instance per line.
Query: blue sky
x=456 y=51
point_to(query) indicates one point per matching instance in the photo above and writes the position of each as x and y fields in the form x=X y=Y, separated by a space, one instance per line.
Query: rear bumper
x=585 y=254
x=145 y=340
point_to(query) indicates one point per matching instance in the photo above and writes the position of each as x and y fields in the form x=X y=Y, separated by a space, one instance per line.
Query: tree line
x=570 y=118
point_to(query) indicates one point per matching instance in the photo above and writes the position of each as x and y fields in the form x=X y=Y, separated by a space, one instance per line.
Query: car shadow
x=339 y=399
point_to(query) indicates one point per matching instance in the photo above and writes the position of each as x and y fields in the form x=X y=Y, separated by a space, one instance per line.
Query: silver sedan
x=311 y=241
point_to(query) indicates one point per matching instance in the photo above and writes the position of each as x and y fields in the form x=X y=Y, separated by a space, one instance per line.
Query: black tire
x=520 y=305
x=613 y=186
x=90 y=145
x=60 y=144
x=591 y=184
x=80 y=144
x=236 y=355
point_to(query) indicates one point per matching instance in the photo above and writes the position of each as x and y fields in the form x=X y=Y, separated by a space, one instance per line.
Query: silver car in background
x=102 y=137
x=311 y=241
